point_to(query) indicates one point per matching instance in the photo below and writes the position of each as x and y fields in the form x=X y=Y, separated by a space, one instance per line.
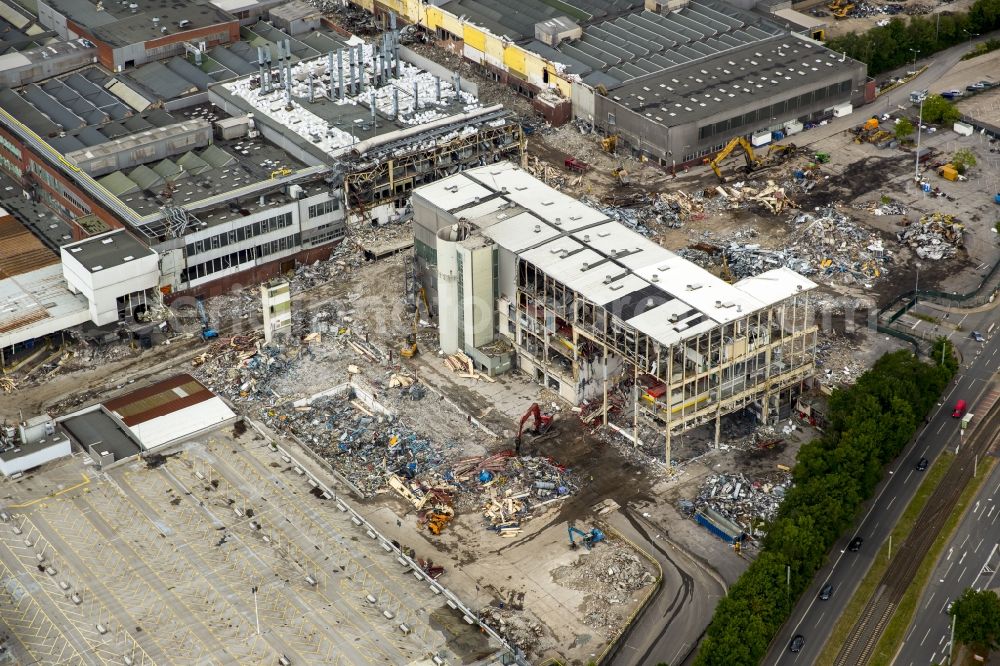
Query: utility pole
x=890 y=546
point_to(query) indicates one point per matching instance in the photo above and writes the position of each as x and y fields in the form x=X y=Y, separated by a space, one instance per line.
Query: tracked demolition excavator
x=541 y=430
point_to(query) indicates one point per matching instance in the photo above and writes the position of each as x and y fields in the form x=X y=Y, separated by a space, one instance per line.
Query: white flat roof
x=605 y=261
x=775 y=285
x=182 y=423
x=38 y=303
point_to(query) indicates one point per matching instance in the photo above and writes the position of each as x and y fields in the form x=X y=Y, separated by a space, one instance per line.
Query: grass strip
x=868 y=584
x=894 y=632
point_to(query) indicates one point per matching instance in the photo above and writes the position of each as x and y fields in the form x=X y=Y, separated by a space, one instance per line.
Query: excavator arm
x=734 y=143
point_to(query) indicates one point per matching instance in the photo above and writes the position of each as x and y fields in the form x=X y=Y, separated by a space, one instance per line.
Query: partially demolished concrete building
x=526 y=276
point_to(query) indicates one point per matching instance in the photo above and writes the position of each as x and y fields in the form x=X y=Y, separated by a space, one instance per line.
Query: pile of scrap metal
x=771 y=197
x=885 y=207
x=935 y=236
x=433 y=505
x=513 y=486
x=750 y=503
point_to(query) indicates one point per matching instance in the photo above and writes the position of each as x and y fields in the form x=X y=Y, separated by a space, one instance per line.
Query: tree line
x=869 y=423
x=886 y=47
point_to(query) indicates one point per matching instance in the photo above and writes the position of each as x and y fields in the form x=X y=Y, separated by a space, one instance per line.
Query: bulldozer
x=775 y=154
x=409 y=348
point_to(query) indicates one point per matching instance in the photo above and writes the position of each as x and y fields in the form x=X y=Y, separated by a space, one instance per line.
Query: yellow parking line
x=86 y=481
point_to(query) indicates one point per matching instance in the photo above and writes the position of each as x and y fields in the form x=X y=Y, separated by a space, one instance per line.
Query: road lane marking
x=962 y=574
x=947 y=571
x=925 y=636
x=977 y=546
x=962 y=545
x=908 y=476
x=929 y=600
x=890 y=502
x=964 y=553
x=941 y=427
x=820 y=619
x=951 y=551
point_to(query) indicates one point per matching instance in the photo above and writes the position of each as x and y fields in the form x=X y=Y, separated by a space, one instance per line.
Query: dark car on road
x=797 y=643
x=826 y=592
x=855 y=544
x=922 y=464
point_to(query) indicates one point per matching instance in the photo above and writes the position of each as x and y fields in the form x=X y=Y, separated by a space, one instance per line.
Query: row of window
x=56 y=186
x=323 y=208
x=239 y=258
x=257 y=228
x=763 y=116
x=326 y=236
x=11 y=148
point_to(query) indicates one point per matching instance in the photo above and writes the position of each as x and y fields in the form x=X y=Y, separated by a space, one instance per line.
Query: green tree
x=939 y=110
x=904 y=128
x=963 y=159
x=977 y=619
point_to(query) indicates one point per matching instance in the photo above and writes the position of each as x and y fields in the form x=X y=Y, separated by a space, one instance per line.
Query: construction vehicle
x=409 y=349
x=609 y=143
x=588 y=539
x=207 y=332
x=542 y=428
x=844 y=11
x=283 y=171
x=621 y=175
x=436 y=522
x=822 y=158
x=776 y=154
x=573 y=164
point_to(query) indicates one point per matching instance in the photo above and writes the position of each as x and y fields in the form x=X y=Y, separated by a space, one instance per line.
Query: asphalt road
x=671 y=626
x=814 y=619
x=970 y=560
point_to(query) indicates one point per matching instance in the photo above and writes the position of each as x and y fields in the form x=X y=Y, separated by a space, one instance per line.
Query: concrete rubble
x=936 y=236
x=611 y=575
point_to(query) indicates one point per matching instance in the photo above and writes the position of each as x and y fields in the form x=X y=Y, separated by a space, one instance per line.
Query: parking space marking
x=157 y=607
x=107 y=647
x=323 y=530
x=284 y=558
x=40 y=636
x=205 y=546
x=190 y=580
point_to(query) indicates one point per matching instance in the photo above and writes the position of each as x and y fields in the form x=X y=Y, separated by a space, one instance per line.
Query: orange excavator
x=541 y=430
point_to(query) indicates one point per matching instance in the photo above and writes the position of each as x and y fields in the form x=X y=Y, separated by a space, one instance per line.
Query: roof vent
x=108 y=240
x=608 y=278
x=98 y=268
x=650 y=302
x=74 y=250
x=538 y=228
x=692 y=287
x=584 y=266
x=654 y=278
x=673 y=318
x=128 y=258
x=586 y=238
x=718 y=304
x=798 y=287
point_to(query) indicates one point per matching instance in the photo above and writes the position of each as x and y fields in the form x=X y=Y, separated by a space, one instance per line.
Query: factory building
x=528 y=277
x=131 y=33
x=589 y=59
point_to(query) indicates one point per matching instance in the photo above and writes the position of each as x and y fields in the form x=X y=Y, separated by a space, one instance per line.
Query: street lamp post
x=971 y=35
x=916 y=160
x=916 y=284
x=916 y=52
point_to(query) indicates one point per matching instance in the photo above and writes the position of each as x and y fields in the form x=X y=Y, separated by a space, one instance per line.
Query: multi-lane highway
x=971 y=559
x=813 y=618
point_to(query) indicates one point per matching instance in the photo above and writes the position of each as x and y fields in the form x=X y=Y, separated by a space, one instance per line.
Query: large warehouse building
x=525 y=275
x=660 y=74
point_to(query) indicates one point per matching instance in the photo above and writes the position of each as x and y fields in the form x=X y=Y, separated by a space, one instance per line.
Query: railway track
x=865 y=633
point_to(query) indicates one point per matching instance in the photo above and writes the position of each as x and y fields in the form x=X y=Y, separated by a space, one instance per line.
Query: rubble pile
x=515 y=625
x=936 y=236
x=827 y=245
x=609 y=574
x=506 y=488
x=884 y=207
x=748 y=503
x=837 y=362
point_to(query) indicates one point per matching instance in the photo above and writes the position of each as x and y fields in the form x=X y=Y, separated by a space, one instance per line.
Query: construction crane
x=588 y=539
x=409 y=349
x=541 y=429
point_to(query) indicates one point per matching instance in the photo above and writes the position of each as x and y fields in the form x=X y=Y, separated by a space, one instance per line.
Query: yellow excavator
x=609 y=143
x=409 y=349
x=776 y=153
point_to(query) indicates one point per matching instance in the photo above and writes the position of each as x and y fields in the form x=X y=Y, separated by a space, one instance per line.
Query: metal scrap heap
x=936 y=236
x=748 y=503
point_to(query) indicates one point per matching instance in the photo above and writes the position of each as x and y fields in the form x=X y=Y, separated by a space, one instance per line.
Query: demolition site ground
x=165 y=563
